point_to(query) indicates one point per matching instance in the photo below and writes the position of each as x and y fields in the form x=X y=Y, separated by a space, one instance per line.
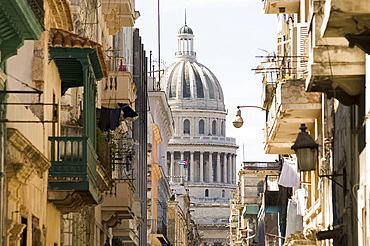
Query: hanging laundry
x=114 y=118
x=289 y=176
x=104 y=120
x=301 y=196
x=294 y=222
x=128 y=112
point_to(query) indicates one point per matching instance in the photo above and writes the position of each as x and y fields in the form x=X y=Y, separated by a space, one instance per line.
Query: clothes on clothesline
x=301 y=196
x=104 y=119
x=289 y=176
x=108 y=118
x=294 y=222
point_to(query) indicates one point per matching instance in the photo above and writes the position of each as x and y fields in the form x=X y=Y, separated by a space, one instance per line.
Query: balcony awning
x=18 y=23
x=250 y=209
x=72 y=54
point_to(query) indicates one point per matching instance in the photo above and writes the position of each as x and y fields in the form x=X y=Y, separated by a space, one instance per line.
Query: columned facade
x=197 y=104
x=194 y=171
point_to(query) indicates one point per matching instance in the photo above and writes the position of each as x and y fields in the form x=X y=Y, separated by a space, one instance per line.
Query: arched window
x=201 y=127
x=223 y=193
x=214 y=127
x=186 y=127
x=206 y=194
x=222 y=129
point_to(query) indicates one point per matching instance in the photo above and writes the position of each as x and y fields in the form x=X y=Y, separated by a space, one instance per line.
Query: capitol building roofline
x=188 y=83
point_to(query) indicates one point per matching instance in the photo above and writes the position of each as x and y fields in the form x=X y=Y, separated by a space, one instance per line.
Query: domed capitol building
x=197 y=103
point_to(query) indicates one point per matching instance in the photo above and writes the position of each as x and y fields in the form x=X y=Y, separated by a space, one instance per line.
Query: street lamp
x=305 y=149
x=238 y=121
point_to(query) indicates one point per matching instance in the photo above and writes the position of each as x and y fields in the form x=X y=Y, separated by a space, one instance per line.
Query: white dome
x=189 y=84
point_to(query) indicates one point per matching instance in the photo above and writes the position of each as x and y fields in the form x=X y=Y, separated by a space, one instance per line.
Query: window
x=222 y=129
x=186 y=127
x=201 y=127
x=223 y=193
x=214 y=127
x=206 y=193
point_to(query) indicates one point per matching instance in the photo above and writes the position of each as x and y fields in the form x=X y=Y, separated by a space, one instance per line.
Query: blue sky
x=228 y=34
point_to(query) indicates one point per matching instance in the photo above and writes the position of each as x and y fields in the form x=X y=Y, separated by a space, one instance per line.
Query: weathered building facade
x=319 y=80
x=67 y=177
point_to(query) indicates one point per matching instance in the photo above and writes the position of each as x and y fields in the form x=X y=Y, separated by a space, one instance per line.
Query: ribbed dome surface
x=189 y=84
x=185 y=30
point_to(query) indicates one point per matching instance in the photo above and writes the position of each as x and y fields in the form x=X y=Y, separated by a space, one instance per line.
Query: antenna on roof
x=185 y=16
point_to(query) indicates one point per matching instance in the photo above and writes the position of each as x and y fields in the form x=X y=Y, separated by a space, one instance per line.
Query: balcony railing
x=73 y=166
x=119 y=86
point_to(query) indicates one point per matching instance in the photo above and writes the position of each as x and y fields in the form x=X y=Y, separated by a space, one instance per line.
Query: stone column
x=192 y=166
x=201 y=165
x=218 y=168
x=225 y=168
x=230 y=168
x=182 y=173
x=172 y=165
x=234 y=168
x=210 y=168
x=165 y=164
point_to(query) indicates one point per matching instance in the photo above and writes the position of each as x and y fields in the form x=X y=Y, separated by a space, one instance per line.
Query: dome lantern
x=185 y=42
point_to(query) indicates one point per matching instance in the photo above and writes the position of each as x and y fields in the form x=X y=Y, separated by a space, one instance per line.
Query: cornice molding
x=23 y=158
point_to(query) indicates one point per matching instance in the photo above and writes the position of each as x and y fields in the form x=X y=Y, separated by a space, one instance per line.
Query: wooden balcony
x=118 y=87
x=291 y=106
x=281 y=6
x=72 y=175
x=118 y=14
x=118 y=204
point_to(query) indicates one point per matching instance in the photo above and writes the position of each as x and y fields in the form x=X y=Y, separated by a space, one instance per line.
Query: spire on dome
x=185 y=17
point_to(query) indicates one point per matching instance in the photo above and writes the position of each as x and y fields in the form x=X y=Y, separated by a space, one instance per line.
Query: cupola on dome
x=185 y=30
x=188 y=83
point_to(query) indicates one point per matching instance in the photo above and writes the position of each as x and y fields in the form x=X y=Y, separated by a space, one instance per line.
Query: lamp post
x=238 y=121
x=306 y=150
